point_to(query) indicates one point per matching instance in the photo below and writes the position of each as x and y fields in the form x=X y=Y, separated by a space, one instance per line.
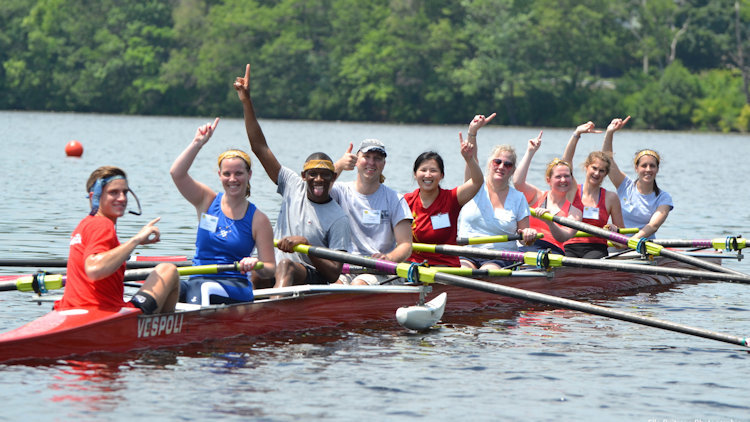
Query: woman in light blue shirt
x=644 y=205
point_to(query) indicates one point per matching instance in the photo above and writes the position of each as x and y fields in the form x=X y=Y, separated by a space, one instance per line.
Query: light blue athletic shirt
x=637 y=208
x=231 y=241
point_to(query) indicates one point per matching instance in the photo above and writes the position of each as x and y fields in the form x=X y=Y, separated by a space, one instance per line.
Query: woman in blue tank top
x=229 y=227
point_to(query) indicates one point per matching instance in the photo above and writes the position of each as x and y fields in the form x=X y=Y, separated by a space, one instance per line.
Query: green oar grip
x=651 y=248
x=54 y=281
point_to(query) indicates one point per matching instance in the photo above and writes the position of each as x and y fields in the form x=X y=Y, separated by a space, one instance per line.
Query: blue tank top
x=231 y=240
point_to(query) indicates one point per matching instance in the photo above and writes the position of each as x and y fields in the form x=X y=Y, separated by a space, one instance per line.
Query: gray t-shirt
x=322 y=224
x=372 y=217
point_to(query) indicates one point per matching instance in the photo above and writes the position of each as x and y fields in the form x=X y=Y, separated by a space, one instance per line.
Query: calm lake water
x=533 y=363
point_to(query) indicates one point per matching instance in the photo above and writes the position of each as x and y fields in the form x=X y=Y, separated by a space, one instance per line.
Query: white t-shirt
x=322 y=224
x=637 y=208
x=479 y=218
x=372 y=217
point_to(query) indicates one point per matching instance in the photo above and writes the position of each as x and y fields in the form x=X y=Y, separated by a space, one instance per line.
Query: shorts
x=479 y=262
x=370 y=279
x=145 y=302
x=586 y=250
x=313 y=276
x=540 y=245
x=215 y=290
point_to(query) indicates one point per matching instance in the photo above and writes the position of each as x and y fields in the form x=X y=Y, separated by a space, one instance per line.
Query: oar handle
x=131 y=275
x=625 y=230
x=492 y=239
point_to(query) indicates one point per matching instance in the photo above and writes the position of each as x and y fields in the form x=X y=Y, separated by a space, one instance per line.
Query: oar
x=636 y=244
x=491 y=239
x=428 y=275
x=508 y=238
x=141 y=274
x=55 y=263
x=464 y=272
x=729 y=243
x=627 y=230
x=57 y=281
x=544 y=260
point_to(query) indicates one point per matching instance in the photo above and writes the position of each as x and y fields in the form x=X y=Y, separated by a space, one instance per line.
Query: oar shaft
x=652 y=248
x=469 y=251
x=729 y=243
x=465 y=272
x=585 y=307
x=60 y=263
x=57 y=281
x=558 y=260
x=428 y=274
x=491 y=239
x=131 y=275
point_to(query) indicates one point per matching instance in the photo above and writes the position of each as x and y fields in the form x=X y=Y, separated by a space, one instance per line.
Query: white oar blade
x=422 y=317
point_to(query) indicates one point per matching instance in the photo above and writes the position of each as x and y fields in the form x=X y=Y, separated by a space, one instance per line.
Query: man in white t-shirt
x=380 y=218
x=308 y=215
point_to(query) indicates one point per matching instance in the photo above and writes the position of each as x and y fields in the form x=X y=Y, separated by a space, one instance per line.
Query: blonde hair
x=237 y=153
x=557 y=162
x=497 y=149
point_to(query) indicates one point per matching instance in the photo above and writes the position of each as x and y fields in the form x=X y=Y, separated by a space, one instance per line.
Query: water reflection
x=93 y=385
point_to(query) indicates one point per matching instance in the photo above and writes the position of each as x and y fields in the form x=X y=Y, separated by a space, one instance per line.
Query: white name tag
x=208 y=222
x=591 y=212
x=371 y=216
x=440 y=221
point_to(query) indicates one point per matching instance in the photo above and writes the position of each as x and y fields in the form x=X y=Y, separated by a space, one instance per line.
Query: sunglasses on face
x=499 y=162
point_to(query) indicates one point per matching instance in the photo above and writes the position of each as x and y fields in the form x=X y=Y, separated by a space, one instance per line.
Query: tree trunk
x=740 y=56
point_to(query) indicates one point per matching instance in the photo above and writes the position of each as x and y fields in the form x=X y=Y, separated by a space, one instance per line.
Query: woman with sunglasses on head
x=435 y=210
x=497 y=209
x=644 y=205
x=229 y=226
x=559 y=178
x=599 y=205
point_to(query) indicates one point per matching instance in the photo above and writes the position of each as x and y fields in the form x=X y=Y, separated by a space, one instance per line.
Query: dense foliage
x=671 y=64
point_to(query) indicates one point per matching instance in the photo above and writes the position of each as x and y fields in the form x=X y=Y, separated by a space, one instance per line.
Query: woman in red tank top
x=599 y=205
x=554 y=201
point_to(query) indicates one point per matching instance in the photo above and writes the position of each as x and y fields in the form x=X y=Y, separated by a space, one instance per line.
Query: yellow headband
x=646 y=152
x=557 y=162
x=319 y=164
x=234 y=153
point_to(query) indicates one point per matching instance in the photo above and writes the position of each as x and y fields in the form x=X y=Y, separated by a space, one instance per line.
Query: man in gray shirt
x=308 y=215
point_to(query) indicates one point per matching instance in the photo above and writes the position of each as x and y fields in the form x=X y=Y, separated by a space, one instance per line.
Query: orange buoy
x=74 y=149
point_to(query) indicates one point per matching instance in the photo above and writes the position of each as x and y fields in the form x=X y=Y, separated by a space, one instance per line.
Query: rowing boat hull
x=78 y=332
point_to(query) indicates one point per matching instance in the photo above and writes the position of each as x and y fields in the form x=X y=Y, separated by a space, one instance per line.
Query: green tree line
x=671 y=64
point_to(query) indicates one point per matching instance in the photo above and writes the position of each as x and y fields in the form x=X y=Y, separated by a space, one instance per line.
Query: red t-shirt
x=541 y=226
x=436 y=224
x=94 y=234
x=599 y=221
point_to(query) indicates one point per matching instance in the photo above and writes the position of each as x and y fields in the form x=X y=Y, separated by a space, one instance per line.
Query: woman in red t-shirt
x=96 y=265
x=559 y=178
x=435 y=210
